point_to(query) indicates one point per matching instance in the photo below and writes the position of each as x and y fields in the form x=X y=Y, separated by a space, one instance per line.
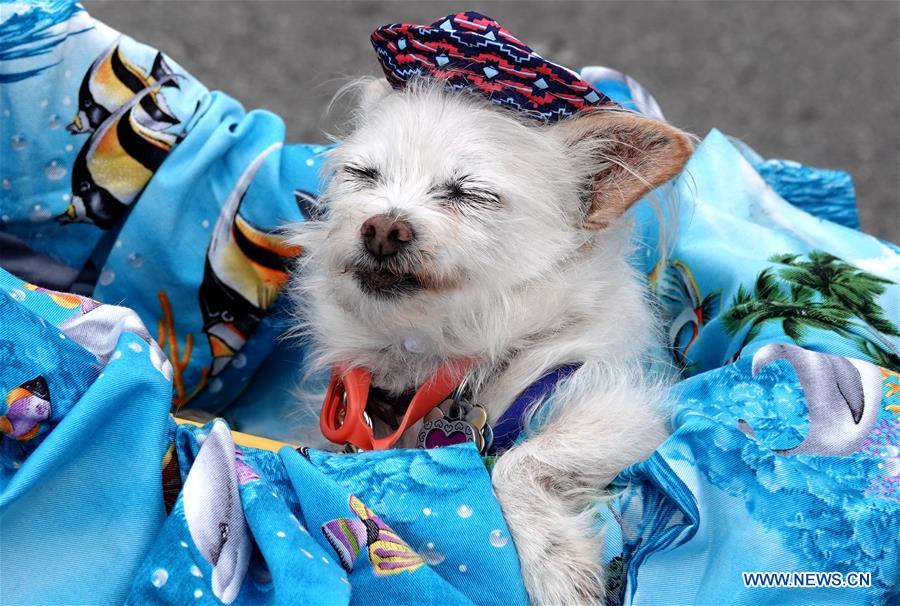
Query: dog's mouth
x=399 y=276
x=385 y=283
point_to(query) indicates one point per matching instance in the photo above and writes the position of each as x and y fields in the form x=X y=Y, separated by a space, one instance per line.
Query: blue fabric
x=83 y=499
x=825 y=193
x=724 y=503
x=770 y=312
x=287 y=498
x=752 y=300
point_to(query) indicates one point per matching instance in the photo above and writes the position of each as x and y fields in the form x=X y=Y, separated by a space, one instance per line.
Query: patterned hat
x=469 y=50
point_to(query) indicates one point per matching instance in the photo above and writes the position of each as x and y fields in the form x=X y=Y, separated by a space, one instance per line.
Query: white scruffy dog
x=456 y=229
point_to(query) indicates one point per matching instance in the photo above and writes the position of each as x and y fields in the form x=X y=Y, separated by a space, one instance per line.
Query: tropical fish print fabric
x=142 y=268
x=89 y=117
x=253 y=527
x=84 y=408
x=91 y=458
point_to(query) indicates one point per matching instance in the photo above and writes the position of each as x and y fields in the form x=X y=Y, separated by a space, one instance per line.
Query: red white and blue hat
x=471 y=51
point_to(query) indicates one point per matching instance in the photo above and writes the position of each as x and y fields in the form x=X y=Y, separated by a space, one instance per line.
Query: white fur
x=523 y=288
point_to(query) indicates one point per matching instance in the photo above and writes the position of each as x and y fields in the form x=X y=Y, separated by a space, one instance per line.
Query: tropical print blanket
x=142 y=270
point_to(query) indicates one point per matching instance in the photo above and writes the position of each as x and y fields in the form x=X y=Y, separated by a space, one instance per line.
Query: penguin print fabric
x=149 y=266
x=472 y=52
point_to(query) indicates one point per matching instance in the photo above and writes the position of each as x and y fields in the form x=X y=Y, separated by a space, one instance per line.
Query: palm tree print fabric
x=785 y=452
x=819 y=292
x=780 y=315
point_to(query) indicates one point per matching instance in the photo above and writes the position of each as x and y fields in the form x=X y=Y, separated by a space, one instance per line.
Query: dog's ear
x=624 y=155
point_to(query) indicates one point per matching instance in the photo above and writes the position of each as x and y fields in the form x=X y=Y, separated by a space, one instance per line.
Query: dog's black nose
x=384 y=235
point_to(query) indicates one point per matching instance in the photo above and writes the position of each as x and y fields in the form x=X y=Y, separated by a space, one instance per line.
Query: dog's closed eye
x=462 y=192
x=361 y=175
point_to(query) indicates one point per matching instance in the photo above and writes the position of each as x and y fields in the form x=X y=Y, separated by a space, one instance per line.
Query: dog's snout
x=384 y=235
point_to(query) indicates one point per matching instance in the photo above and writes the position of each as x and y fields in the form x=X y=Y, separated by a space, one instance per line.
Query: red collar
x=343 y=419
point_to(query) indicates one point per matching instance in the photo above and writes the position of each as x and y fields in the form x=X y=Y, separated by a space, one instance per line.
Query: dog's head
x=438 y=197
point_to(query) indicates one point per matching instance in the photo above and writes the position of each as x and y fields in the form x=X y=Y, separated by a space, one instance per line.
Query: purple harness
x=512 y=422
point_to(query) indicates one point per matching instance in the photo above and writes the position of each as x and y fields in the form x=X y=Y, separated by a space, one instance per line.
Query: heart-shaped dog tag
x=443 y=432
